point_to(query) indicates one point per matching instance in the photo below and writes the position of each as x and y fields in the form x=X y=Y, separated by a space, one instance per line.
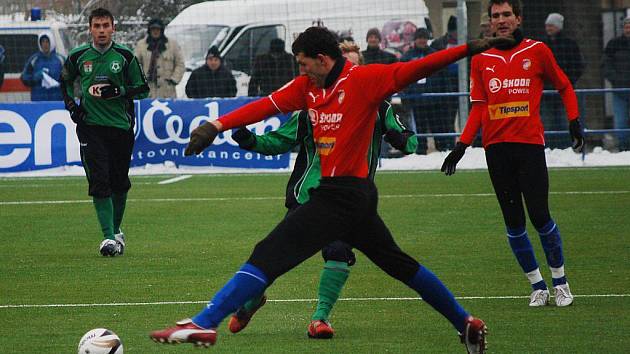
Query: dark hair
x=516 y=6
x=315 y=41
x=101 y=12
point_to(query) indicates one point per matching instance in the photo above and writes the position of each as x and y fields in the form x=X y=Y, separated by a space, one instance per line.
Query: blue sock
x=248 y=282
x=522 y=249
x=434 y=293
x=552 y=244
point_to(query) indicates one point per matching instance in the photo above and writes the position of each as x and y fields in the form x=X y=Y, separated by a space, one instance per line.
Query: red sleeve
x=477 y=90
x=288 y=98
x=561 y=82
x=383 y=80
x=473 y=123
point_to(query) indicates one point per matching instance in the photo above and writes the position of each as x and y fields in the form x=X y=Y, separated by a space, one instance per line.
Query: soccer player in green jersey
x=109 y=78
x=338 y=255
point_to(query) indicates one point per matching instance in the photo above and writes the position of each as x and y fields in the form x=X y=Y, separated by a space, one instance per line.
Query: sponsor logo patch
x=95 y=90
x=313 y=116
x=494 y=85
x=342 y=95
x=325 y=145
x=509 y=110
x=527 y=64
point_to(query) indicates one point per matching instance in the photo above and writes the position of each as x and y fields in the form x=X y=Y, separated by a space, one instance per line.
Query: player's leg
x=376 y=242
x=338 y=258
x=503 y=166
x=535 y=186
x=121 y=145
x=95 y=160
x=295 y=239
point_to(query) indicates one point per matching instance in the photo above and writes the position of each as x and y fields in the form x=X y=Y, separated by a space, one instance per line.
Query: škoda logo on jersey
x=514 y=86
x=326 y=121
x=509 y=110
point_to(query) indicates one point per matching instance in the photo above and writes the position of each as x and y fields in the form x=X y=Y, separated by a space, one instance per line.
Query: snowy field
x=474 y=159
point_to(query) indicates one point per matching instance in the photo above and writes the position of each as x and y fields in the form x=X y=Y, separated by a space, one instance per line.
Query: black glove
x=200 y=138
x=245 y=139
x=112 y=91
x=398 y=139
x=577 y=135
x=477 y=46
x=77 y=113
x=171 y=82
x=450 y=162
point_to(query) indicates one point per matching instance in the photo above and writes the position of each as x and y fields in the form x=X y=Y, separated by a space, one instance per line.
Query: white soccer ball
x=100 y=341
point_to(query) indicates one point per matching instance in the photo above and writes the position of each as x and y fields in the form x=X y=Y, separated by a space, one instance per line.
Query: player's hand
x=398 y=139
x=112 y=91
x=450 y=162
x=200 y=138
x=244 y=138
x=577 y=135
x=477 y=46
x=77 y=113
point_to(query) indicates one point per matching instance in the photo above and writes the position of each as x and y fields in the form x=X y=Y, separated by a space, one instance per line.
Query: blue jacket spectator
x=43 y=70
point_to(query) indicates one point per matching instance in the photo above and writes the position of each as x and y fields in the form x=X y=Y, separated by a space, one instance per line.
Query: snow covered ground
x=474 y=159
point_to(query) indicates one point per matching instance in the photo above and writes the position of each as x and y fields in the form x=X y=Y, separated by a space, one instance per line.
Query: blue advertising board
x=41 y=135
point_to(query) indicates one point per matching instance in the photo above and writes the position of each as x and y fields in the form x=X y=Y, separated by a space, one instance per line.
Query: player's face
x=502 y=19
x=102 y=30
x=314 y=68
x=352 y=57
x=626 y=30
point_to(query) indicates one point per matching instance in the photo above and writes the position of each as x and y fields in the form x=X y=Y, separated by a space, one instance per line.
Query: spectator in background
x=485 y=30
x=212 y=79
x=162 y=59
x=43 y=70
x=569 y=58
x=374 y=54
x=1 y=65
x=449 y=105
x=272 y=70
x=616 y=68
x=426 y=113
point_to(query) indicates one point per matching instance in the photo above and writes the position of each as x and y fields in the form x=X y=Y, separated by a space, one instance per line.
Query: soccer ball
x=100 y=341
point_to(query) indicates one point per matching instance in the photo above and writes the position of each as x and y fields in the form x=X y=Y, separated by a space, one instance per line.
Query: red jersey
x=505 y=90
x=343 y=115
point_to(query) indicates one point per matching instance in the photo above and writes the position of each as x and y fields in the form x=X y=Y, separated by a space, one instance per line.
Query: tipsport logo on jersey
x=41 y=135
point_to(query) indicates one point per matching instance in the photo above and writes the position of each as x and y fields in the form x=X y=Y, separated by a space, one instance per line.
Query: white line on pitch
x=175 y=179
x=509 y=297
x=220 y=199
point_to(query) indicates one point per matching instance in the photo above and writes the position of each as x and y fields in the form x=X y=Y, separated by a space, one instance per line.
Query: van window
x=18 y=48
x=254 y=41
x=194 y=41
x=66 y=41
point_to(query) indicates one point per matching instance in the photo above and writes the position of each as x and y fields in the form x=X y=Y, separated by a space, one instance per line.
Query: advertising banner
x=41 y=135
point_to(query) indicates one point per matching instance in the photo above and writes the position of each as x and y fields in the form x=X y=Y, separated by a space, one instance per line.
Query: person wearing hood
x=162 y=59
x=506 y=85
x=43 y=69
x=272 y=70
x=570 y=60
x=212 y=79
x=374 y=54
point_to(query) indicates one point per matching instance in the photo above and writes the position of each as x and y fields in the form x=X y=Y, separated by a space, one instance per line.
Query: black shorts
x=341 y=208
x=519 y=171
x=106 y=155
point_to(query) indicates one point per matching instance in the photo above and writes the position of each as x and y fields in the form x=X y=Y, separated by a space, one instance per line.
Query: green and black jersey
x=115 y=65
x=307 y=172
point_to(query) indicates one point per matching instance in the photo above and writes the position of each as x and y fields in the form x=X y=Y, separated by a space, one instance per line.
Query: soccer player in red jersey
x=342 y=101
x=506 y=86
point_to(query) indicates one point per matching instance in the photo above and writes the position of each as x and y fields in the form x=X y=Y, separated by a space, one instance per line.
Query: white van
x=19 y=39
x=242 y=29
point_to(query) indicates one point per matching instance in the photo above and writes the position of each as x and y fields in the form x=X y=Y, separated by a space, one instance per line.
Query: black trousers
x=106 y=155
x=519 y=171
x=341 y=208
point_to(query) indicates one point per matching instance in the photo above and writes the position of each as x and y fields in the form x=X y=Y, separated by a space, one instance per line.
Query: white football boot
x=563 y=295
x=539 y=298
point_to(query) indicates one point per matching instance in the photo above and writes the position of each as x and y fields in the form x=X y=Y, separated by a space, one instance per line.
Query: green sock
x=253 y=302
x=104 y=213
x=331 y=281
x=119 y=202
